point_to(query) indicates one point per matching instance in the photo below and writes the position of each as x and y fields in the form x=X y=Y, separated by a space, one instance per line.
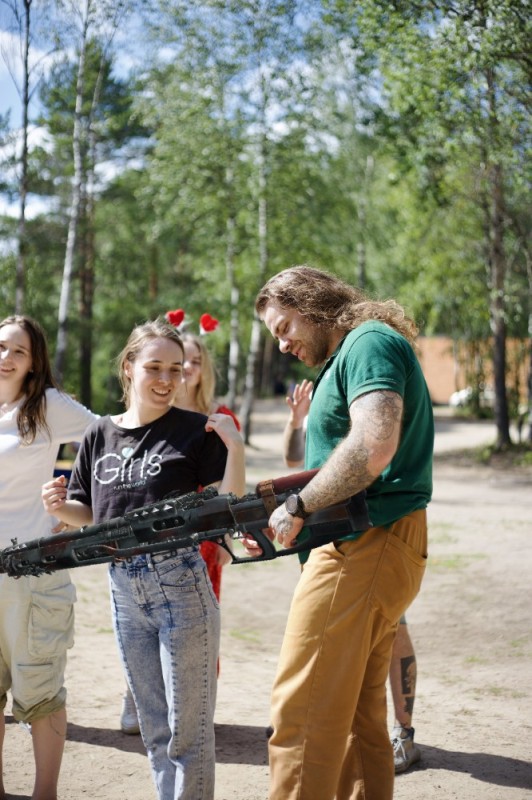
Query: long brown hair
x=156 y=329
x=327 y=301
x=32 y=413
x=205 y=388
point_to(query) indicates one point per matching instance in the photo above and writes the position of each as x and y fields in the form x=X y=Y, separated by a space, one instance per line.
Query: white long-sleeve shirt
x=24 y=468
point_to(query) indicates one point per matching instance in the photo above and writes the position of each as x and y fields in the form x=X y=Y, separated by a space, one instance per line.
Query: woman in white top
x=36 y=614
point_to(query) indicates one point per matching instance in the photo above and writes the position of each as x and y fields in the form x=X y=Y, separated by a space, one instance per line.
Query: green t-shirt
x=374 y=357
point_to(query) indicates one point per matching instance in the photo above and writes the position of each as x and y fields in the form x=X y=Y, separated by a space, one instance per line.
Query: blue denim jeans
x=167 y=624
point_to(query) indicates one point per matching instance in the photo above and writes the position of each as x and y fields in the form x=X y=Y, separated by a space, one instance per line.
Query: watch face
x=291 y=503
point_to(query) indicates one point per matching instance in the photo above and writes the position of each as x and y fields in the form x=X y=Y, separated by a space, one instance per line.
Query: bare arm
x=366 y=451
x=356 y=462
x=294 y=432
x=71 y=512
x=234 y=479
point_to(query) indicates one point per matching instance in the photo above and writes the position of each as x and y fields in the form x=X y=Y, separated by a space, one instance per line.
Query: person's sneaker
x=129 y=721
x=405 y=751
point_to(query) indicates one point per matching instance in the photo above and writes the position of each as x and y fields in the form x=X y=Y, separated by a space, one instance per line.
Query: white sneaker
x=26 y=726
x=405 y=752
x=129 y=721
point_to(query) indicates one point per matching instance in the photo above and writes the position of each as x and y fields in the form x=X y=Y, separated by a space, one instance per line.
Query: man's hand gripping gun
x=179 y=522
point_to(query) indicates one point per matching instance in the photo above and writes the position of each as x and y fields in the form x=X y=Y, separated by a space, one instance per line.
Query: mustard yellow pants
x=330 y=739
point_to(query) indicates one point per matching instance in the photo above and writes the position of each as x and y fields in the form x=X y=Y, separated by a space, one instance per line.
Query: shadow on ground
x=235 y=744
x=105 y=737
x=487 y=767
x=241 y=744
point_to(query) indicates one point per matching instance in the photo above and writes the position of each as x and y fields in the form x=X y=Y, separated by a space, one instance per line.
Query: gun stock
x=187 y=521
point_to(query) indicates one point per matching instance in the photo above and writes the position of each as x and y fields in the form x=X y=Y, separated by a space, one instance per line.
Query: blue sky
x=9 y=98
x=125 y=42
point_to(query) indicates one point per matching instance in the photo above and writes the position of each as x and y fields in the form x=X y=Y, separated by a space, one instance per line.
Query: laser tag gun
x=179 y=522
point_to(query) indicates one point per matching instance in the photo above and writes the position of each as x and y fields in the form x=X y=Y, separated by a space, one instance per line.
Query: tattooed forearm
x=294 y=444
x=361 y=457
x=345 y=474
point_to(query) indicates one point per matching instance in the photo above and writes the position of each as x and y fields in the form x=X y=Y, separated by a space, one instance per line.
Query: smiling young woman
x=166 y=616
x=36 y=614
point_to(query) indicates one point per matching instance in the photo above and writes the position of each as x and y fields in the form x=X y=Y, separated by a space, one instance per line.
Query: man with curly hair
x=370 y=428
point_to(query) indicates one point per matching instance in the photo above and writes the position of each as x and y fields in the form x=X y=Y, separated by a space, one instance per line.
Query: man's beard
x=316 y=352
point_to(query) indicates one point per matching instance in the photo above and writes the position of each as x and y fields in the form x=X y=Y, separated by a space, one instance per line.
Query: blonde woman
x=197 y=394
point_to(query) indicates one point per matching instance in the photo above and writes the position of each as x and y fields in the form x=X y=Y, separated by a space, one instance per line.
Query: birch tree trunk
x=73 y=218
x=88 y=250
x=234 y=344
x=20 y=278
x=256 y=326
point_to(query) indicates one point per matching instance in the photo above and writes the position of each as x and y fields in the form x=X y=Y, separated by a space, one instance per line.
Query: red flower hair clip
x=176 y=318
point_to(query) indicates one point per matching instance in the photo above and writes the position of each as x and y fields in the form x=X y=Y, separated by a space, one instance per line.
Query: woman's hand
x=234 y=479
x=252 y=547
x=224 y=426
x=54 y=494
x=299 y=403
x=70 y=512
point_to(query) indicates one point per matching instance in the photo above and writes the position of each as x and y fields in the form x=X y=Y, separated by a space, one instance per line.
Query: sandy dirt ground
x=471 y=626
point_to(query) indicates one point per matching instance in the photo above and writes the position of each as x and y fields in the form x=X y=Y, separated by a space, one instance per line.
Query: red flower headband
x=177 y=318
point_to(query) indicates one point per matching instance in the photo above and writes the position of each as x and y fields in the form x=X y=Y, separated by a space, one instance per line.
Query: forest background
x=176 y=154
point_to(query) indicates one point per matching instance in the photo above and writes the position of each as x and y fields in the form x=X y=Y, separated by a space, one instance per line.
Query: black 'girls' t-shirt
x=120 y=469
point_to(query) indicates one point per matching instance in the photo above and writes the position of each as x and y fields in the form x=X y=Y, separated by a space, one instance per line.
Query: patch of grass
x=510 y=457
x=440 y=533
x=526 y=459
x=475 y=660
x=467 y=712
x=518 y=646
x=521 y=642
x=458 y=561
x=497 y=691
x=480 y=692
x=515 y=457
x=246 y=636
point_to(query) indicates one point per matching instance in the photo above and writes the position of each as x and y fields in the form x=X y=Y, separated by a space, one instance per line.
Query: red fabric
x=209 y=550
x=226 y=410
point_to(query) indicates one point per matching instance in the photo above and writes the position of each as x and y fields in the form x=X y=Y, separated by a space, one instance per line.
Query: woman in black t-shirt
x=165 y=613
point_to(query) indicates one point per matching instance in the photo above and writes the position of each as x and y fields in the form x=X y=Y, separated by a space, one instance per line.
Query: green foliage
x=368 y=131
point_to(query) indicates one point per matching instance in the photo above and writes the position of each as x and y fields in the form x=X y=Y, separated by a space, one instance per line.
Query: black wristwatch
x=295 y=506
